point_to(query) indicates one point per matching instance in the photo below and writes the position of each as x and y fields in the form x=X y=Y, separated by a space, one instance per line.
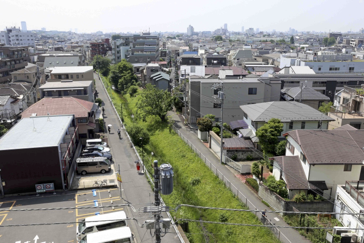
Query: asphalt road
x=135 y=186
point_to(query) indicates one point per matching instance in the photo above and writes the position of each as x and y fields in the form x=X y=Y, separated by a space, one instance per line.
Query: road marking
x=85 y=193
x=9 y=219
x=36 y=238
x=4 y=216
x=71 y=241
x=70 y=211
x=81 y=204
x=69 y=226
x=18 y=205
x=12 y=204
x=276 y=219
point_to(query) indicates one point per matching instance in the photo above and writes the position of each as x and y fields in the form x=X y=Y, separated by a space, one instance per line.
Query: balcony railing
x=356 y=191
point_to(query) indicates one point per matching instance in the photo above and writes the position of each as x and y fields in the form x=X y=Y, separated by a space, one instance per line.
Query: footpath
x=189 y=135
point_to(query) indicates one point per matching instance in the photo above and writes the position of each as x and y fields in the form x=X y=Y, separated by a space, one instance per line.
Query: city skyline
x=139 y=15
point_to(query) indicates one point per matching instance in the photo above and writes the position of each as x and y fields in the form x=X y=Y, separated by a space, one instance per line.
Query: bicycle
x=100 y=183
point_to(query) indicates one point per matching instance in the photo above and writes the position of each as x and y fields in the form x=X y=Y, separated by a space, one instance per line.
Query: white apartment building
x=15 y=37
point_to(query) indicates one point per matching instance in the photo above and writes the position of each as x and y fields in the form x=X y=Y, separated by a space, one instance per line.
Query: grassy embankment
x=194 y=183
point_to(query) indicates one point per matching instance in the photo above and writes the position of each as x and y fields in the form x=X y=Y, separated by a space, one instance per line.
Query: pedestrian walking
x=103 y=110
x=119 y=133
x=138 y=166
x=264 y=213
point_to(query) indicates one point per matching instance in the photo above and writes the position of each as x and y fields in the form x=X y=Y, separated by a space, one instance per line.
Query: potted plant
x=204 y=126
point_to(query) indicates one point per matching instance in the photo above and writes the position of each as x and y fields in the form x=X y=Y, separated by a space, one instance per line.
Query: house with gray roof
x=292 y=114
x=316 y=161
x=242 y=56
x=160 y=80
x=306 y=95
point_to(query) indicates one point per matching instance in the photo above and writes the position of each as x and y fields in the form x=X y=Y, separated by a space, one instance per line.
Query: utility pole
x=157 y=202
x=184 y=94
x=221 y=97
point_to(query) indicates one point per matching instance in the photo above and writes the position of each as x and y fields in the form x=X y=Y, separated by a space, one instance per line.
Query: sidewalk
x=136 y=188
x=286 y=235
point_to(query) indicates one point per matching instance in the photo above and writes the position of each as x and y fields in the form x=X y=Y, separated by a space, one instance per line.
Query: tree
x=154 y=101
x=211 y=117
x=218 y=38
x=138 y=135
x=99 y=101
x=102 y=64
x=122 y=75
x=325 y=107
x=278 y=187
x=331 y=41
x=3 y=130
x=204 y=124
x=291 y=40
x=115 y=37
x=326 y=39
x=132 y=90
x=255 y=169
x=281 y=148
x=272 y=41
x=268 y=134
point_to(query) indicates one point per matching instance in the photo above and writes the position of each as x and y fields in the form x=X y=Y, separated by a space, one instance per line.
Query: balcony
x=347 y=115
x=356 y=190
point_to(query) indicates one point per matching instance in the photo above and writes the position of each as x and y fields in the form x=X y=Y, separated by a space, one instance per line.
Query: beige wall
x=24 y=76
x=87 y=76
x=341 y=122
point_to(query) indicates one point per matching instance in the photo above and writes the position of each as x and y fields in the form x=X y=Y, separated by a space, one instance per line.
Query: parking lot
x=58 y=226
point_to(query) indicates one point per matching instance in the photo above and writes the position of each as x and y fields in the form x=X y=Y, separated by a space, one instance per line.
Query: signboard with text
x=45 y=187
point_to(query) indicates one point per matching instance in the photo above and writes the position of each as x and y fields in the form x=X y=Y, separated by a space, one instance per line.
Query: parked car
x=96 y=154
x=93 y=165
x=94 y=142
x=97 y=148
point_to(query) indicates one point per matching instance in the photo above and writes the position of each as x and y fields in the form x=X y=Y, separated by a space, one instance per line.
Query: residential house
x=305 y=95
x=78 y=73
x=215 y=60
x=161 y=80
x=321 y=160
x=11 y=60
x=78 y=89
x=242 y=56
x=350 y=109
x=292 y=114
x=202 y=96
x=39 y=150
x=147 y=71
x=84 y=112
x=190 y=60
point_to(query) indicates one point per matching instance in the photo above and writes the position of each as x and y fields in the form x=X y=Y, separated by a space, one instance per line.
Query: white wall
x=297 y=152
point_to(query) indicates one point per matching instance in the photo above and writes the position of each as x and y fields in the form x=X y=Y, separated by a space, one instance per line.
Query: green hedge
x=253 y=183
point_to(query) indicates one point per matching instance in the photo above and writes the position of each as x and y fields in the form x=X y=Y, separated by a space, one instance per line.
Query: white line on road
x=276 y=219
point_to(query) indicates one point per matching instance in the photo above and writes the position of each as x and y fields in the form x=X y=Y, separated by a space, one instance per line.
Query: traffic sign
x=118 y=177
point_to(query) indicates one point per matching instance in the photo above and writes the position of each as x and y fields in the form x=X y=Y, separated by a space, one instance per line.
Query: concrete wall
x=274 y=200
x=241 y=154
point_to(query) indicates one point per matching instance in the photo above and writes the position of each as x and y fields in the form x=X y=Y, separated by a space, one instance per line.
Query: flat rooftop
x=66 y=84
x=70 y=69
x=36 y=132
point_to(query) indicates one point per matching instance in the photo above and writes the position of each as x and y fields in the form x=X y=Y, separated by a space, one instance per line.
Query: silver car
x=97 y=148
x=93 y=154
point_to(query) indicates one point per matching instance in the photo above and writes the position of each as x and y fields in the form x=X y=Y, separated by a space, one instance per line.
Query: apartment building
x=78 y=89
x=15 y=37
x=78 y=73
x=12 y=59
x=100 y=48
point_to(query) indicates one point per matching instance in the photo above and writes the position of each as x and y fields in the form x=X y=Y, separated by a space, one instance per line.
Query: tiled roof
x=294 y=175
x=60 y=106
x=14 y=89
x=4 y=99
x=215 y=70
x=346 y=127
x=286 y=111
x=237 y=144
x=331 y=146
x=308 y=93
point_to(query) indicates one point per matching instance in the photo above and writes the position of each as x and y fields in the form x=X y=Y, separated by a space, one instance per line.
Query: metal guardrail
x=141 y=161
x=243 y=198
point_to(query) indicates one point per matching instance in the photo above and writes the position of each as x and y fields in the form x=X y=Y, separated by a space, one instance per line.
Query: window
x=245 y=115
x=303 y=158
x=347 y=167
x=193 y=69
x=71 y=76
x=334 y=69
x=65 y=93
x=351 y=69
x=319 y=69
x=303 y=125
x=290 y=125
x=82 y=120
x=82 y=75
x=217 y=105
x=319 y=124
x=252 y=91
x=77 y=76
x=216 y=91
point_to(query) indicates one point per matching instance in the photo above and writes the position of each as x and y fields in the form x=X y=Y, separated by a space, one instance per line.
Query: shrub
x=253 y=183
x=297 y=198
x=204 y=124
x=310 y=197
x=99 y=101
x=319 y=197
x=138 y=135
x=132 y=90
x=278 y=187
x=223 y=218
x=195 y=181
x=216 y=130
x=249 y=157
x=102 y=125
x=227 y=134
x=265 y=203
x=226 y=126
x=255 y=169
x=234 y=156
x=281 y=148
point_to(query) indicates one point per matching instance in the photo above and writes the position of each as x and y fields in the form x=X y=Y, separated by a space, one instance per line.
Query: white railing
x=141 y=161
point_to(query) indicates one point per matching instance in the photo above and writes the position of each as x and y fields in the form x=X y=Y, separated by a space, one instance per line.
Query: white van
x=117 y=235
x=94 y=142
x=100 y=222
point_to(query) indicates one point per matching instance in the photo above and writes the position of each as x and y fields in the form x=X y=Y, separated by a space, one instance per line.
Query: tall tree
x=122 y=75
x=218 y=38
x=331 y=41
x=102 y=64
x=325 y=107
x=268 y=135
x=154 y=101
x=291 y=40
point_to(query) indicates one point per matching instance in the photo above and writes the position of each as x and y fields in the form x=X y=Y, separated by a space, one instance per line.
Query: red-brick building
x=100 y=48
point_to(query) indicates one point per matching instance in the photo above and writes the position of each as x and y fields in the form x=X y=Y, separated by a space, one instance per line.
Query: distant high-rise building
x=15 y=37
x=43 y=29
x=225 y=27
x=242 y=29
x=23 y=26
x=190 y=30
x=250 y=31
x=257 y=30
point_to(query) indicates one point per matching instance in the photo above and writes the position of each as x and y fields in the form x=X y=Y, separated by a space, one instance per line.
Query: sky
x=170 y=15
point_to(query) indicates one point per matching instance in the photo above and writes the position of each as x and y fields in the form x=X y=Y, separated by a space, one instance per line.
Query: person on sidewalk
x=138 y=166
x=264 y=213
x=119 y=133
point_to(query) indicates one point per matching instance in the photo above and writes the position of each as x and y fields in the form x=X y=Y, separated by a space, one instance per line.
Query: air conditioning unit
x=349 y=237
